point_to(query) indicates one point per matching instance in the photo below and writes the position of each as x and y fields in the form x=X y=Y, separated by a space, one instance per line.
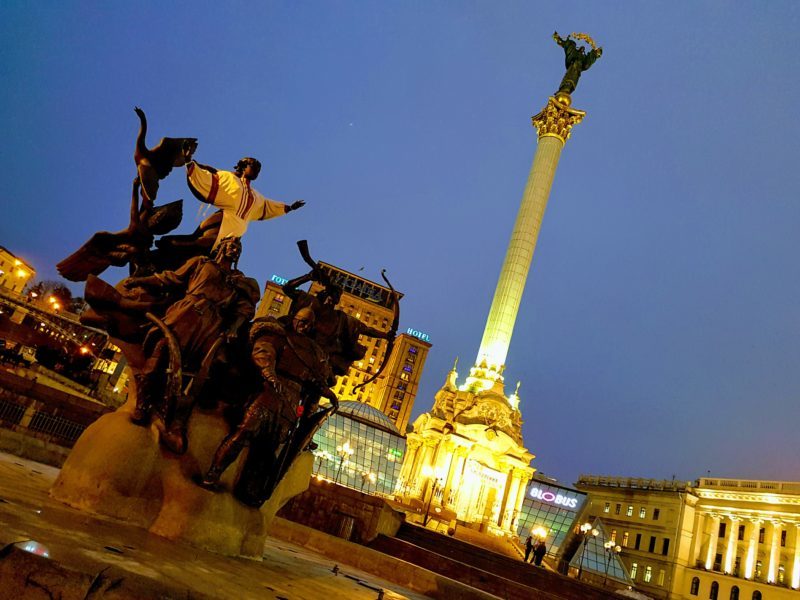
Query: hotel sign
x=279 y=280
x=558 y=499
x=418 y=334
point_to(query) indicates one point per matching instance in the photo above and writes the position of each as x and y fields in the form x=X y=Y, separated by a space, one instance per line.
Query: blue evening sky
x=659 y=333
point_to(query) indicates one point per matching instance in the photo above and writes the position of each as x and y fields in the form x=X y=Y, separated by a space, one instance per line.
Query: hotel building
x=713 y=538
x=394 y=392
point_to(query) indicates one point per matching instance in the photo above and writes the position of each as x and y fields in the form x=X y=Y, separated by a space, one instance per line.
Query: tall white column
x=697 y=537
x=796 y=562
x=774 y=553
x=712 y=542
x=554 y=125
x=511 y=498
x=451 y=450
x=752 y=549
x=730 y=552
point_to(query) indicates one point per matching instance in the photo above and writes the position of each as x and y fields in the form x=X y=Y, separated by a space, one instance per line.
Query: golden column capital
x=556 y=120
x=413 y=443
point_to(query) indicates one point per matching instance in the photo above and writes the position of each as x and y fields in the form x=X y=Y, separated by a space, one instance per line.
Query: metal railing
x=56 y=426
x=634 y=483
x=10 y=412
x=749 y=485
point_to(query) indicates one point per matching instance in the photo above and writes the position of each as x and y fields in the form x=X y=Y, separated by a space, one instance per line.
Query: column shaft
x=699 y=522
x=752 y=545
x=712 y=543
x=730 y=552
x=796 y=562
x=511 y=283
x=774 y=554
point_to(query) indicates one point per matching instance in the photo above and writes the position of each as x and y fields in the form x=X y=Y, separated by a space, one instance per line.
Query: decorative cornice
x=557 y=120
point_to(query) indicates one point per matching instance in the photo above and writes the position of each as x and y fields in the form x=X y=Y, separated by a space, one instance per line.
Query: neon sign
x=558 y=499
x=418 y=334
x=279 y=280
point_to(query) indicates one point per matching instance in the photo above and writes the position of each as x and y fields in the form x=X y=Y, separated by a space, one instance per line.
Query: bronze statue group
x=184 y=321
x=184 y=316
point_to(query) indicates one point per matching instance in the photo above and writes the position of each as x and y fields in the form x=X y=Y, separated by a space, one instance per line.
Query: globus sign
x=558 y=499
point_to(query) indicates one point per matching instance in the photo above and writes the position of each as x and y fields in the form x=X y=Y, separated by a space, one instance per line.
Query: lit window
x=781 y=573
x=642 y=512
x=630 y=510
x=661 y=575
x=625 y=539
x=648 y=574
x=695 y=586
x=634 y=569
x=607 y=507
x=614 y=535
x=714 y=593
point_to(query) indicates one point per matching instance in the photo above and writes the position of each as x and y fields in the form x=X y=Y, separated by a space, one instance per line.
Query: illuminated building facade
x=359 y=447
x=15 y=273
x=714 y=538
x=551 y=508
x=395 y=390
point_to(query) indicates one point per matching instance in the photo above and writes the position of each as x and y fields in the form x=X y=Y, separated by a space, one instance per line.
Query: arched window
x=712 y=595
x=756 y=595
x=695 y=586
x=735 y=592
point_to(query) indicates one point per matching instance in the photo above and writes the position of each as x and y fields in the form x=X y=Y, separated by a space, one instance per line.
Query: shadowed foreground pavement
x=86 y=545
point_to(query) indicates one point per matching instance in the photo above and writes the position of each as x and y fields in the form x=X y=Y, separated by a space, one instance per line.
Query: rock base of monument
x=118 y=469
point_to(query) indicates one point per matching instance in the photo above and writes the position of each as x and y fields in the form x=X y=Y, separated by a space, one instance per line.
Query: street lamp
x=429 y=473
x=345 y=451
x=365 y=476
x=539 y=532
x=586 y=530
x=611 y=550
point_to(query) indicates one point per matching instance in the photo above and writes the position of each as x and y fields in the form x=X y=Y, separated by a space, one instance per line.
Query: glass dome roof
x=361 y=411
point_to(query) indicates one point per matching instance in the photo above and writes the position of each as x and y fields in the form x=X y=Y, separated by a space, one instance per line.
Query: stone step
x=483 y=569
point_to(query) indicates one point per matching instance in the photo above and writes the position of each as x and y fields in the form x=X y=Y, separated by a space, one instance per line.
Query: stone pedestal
x=118 y=469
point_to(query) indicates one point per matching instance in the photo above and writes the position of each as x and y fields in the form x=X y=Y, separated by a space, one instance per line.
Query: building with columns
x=466 y=458
x=712 y=538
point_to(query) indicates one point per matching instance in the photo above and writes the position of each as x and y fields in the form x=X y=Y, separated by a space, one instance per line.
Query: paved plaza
x=87 y=544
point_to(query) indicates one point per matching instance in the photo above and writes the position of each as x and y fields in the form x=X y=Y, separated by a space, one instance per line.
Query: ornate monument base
x=117 y=469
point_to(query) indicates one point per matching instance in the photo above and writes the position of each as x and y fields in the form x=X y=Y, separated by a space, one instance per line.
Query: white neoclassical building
x=717 y=539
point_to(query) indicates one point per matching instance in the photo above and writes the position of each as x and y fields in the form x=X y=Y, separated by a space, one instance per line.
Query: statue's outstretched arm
x=560 y=41
x=290 y=287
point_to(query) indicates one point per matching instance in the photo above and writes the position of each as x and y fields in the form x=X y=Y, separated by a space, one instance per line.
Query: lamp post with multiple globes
x=586 y=530
x=345 y=451
x=611 y=550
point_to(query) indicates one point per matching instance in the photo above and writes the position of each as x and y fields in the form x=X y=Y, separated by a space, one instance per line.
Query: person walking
x=538 y=553
x=528 y=548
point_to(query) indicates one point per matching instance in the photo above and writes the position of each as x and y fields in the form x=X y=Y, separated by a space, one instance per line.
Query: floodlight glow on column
x=554 y=125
